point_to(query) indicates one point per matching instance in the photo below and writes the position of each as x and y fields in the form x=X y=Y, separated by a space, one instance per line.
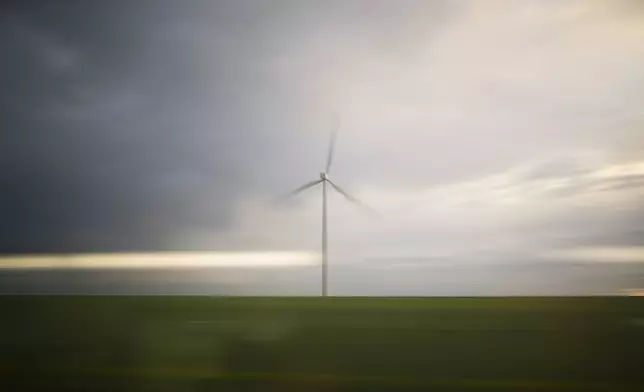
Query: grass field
x=301 y=344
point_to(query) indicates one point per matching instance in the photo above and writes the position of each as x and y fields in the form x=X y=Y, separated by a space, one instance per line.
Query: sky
x=478 y=130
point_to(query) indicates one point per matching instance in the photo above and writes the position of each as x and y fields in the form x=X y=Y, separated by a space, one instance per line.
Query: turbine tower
x=325 y=180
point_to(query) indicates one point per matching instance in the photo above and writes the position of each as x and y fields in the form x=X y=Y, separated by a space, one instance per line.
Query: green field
x=119 y=343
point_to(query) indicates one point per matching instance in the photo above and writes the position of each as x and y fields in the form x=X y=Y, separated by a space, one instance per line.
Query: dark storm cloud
x=122 y=123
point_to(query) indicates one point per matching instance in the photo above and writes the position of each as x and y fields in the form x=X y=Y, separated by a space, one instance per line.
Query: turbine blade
x=351 y=198
x=297 y=190
x=329 y=158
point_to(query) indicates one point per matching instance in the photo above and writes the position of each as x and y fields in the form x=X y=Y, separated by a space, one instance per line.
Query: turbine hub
x=324 y=176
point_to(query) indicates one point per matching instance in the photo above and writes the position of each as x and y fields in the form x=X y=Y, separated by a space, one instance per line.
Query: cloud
x=473 y=128
x=125 y=152
x=516 y=213
x=477 y=88
x=468 y=126
x=43 y=46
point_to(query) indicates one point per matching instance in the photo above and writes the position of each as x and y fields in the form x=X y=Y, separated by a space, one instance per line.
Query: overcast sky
x=476 y=128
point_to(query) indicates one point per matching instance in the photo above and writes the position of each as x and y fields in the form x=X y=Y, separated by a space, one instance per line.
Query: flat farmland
x=198 y=343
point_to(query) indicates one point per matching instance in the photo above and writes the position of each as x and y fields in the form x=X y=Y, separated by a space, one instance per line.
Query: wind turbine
x=324 y=180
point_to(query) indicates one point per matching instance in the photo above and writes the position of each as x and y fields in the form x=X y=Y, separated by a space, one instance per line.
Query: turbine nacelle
x=324 y=176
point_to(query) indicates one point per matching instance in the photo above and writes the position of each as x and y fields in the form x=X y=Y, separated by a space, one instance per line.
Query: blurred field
x=155 y=343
